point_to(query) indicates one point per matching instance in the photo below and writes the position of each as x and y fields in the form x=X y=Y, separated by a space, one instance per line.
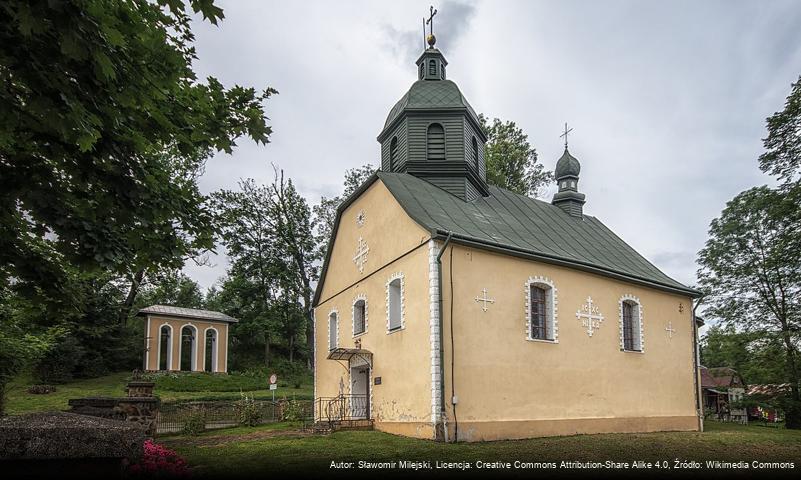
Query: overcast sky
x=667 y=99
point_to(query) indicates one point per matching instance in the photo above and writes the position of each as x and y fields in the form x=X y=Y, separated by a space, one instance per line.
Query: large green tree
x=782 y=156
x=511 y=160
x=751 y=272
x=267 y=232
x=103 y=124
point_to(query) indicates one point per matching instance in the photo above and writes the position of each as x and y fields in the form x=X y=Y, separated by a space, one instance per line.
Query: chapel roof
x=170 y=311
x=519 y=225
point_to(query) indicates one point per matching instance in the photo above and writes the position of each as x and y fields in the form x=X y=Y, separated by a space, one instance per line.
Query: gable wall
x=402 y=403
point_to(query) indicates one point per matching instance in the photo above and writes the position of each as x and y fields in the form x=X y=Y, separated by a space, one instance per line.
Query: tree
x=511 y=160
x=171 y=288
x=751 y=273
x=782 y=155
x=756 y=355
x=102 y=126
x=267 y=230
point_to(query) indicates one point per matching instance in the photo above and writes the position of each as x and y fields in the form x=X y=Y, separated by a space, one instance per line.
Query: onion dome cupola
x=433 y=133
x=568 y=198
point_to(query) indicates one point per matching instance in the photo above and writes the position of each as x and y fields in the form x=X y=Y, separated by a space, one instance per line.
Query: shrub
x=41 y=389
x=194 y=421
x=293 y=411
x=248 y=412
x=159 y=461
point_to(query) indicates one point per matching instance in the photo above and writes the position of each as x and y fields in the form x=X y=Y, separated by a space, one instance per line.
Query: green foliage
x=103 y=130
x=511 y=160
x=267 y=232
x=293 y=411
x=248 y=412
x=757 y=356
x=20 y=343
x=782 y=156
x=750 y=270
x=169 y=288
x=194 y=419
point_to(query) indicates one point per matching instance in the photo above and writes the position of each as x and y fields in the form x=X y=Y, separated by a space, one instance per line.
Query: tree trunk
x=793 y=408
x=125 y=311
x=266 y=352
x=291 y=348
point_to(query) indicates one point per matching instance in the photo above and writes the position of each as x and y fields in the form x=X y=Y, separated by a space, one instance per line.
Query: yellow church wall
x=511 y=387
x=153 y=324
x=401 y=404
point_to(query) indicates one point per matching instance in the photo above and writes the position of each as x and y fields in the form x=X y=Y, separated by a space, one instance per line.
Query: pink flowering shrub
x=159 y=461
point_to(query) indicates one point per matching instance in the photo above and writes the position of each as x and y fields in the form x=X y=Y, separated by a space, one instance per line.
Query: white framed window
x=333 y=330
x=359 y=315
x=395 y=303
x=630 y=324
x=541 y=310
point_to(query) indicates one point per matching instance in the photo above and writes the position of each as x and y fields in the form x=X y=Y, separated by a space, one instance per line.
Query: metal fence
x=172 y=417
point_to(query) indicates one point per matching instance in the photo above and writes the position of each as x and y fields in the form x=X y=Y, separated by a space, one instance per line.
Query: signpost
x=273 y=384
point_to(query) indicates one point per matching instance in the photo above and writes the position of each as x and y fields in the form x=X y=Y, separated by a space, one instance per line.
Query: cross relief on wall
x=670 y=329
x=590 y=316
x=484 y=299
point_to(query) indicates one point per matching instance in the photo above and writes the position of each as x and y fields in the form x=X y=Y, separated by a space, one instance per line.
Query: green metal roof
x=519 y=225
x=430 y=95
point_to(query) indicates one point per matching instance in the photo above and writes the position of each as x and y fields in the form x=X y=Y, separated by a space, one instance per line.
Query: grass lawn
x=282 y=448
x=170 y=388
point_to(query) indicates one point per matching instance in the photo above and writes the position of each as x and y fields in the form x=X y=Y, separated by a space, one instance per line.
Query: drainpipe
x=443 y=413
x=696 y=363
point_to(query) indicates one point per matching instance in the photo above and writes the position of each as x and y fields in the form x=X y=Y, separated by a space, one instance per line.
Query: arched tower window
x=442 y=71
x=432 y=68
x=393 y=154
x=475 y=154
x=435 y=142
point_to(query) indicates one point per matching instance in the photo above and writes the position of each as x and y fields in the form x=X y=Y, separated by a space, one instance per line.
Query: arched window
x=475 y=154
x=393 y=154
x=333 y=330
x=631 y=338
x=210 y=352
x=165 y=348
x=442 y=72
x=432 y=68
x=188 y=348
x=435 y=142
x=395 y=302
x=359 y=316
x=421 y=71
x=541 y=309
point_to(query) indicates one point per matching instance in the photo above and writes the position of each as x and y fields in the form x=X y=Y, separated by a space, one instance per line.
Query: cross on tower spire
x=565 y=134
x=431 y=39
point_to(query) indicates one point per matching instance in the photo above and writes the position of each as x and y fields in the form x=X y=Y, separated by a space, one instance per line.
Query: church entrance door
x=360 y=392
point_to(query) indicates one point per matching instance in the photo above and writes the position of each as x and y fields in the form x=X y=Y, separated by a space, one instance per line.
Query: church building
x=452 y=309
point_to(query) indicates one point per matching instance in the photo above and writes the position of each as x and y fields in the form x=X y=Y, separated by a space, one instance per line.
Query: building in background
x=185 y=339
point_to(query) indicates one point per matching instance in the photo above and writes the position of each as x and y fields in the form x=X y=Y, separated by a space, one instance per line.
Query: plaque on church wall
x=377 y=381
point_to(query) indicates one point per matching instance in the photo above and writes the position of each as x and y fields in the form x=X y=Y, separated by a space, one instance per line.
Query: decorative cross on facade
x=590 y=316
x=670 y=329
x=361 y=254
x=484 y=299
x=430 y=21
x=565 y=134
